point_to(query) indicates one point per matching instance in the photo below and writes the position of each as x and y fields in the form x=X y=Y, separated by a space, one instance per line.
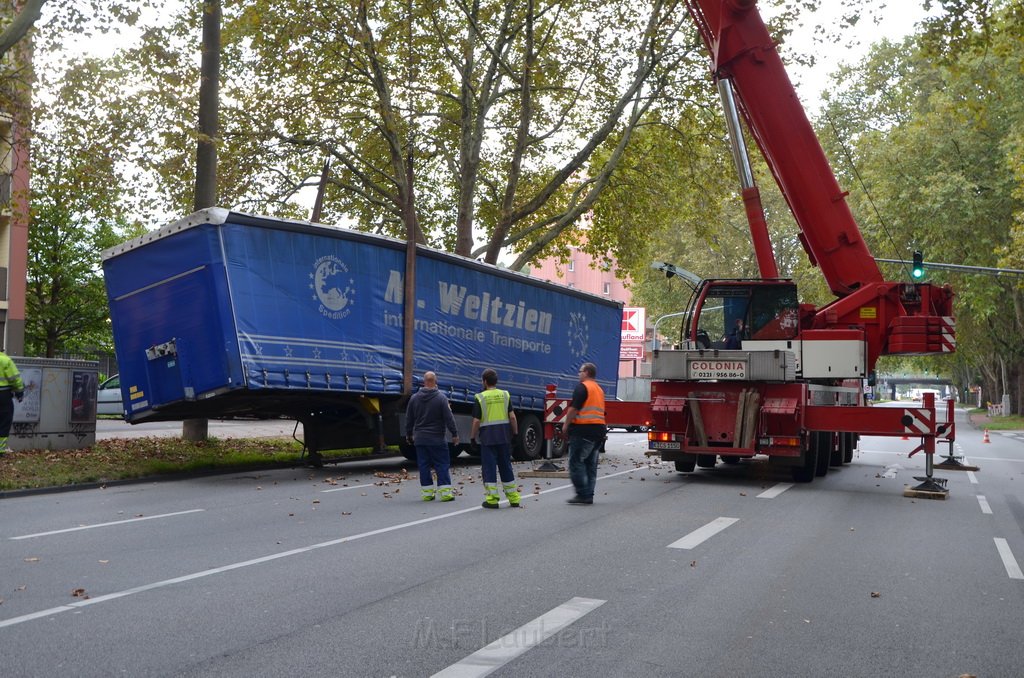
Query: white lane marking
x=257 y=561
x=1009 y=562
x=354 y=487
x=973 y=478
x=985 y=508
x=492 y=657
x=702 y=534
x=116 y=522
x=773 y=492
x=997 y=459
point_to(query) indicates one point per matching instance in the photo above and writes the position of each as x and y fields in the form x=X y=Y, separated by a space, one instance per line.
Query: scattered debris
x=80 y=593
x=876 y=594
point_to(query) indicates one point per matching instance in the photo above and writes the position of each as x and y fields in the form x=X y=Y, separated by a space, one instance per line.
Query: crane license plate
x=713 y=368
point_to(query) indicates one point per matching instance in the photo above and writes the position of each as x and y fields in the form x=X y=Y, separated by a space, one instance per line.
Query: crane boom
x=743 y=52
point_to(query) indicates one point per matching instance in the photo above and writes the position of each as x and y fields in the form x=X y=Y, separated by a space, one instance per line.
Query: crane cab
x=727 y=314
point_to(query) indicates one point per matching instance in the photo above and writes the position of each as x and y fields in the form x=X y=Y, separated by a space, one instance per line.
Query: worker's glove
x=19 y=395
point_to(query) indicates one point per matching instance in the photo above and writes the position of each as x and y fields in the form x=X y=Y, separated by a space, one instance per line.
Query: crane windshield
x=731 y=312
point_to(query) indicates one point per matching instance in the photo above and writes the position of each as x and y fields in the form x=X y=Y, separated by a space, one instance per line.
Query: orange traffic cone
x=984 y=438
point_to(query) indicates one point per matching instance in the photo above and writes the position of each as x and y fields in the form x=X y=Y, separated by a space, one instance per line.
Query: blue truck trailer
x=225 y=314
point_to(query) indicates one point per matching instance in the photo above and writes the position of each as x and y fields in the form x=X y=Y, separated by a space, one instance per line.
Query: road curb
x=187 y=475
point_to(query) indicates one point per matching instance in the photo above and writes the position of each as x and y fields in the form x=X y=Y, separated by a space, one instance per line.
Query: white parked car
x=108 y=398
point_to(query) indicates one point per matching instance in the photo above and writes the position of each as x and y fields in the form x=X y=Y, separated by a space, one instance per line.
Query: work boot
x=580 y=500
x=444 y=493
x=512 y=494
x=491 y=497
x=427 y=493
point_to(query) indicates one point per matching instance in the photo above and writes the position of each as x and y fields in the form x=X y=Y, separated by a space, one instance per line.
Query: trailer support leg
x=930 y=487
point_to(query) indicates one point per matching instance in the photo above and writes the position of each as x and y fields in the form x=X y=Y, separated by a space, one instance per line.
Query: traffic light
x=917 y=272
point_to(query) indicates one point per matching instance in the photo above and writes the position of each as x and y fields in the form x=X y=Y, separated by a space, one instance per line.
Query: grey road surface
x=229 y=428
x=342 y=571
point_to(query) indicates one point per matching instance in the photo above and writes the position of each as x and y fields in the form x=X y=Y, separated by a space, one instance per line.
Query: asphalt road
x=342 y=571
x=217 y=428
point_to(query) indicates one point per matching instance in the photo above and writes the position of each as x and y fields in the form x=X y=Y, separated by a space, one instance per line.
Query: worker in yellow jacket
x=11 y=387
x=494 y=425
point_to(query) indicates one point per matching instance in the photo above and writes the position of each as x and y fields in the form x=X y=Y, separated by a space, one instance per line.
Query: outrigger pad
x=954 y=464
x=930 y=488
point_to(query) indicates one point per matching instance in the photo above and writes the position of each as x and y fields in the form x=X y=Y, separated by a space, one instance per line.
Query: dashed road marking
x=773 y=492
x=702 y=534
x=973 y=478
x=492 y=657
x=1009 y=562
x=985 y=508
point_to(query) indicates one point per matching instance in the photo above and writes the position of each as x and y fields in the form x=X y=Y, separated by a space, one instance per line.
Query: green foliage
x=77 y=179
x=935 y=127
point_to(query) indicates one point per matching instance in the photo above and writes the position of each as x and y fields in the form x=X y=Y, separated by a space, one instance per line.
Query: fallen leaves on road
x=876 y=594
x=80 y=593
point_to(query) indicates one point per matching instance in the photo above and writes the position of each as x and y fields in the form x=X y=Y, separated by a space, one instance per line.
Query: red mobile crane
x=788 y=382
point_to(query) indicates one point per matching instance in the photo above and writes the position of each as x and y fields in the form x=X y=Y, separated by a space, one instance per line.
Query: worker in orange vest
x=585 y=429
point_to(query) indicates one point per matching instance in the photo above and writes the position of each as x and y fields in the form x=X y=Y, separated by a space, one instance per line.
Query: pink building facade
x=584 y=273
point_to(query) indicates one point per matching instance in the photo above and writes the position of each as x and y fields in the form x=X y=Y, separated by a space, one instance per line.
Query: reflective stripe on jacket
x=592 y=411
x=9 y=377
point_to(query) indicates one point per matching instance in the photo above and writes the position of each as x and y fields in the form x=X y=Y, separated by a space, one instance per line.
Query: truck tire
x=686 y=464
x=848 y=442
x=804 y=473
x=836 y=456
x=707 y=460
x=529 y=444
x=821 y=441
x=730 y=460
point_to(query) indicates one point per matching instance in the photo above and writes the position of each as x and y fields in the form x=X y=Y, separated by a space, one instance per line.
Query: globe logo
x=333 y=286
x=579 y=333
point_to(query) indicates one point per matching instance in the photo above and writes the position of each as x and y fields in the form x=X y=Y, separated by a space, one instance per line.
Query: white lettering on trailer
x=458 y=301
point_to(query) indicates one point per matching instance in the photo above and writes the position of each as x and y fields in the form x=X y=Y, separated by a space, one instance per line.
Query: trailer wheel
x=686 y=464
x=707 y=460
x=408 y=451
x=730 y=461
x=530 y=442
x=804 y=473
x=821 y=441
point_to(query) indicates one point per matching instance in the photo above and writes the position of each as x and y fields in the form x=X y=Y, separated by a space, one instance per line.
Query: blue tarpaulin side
x=277 y=306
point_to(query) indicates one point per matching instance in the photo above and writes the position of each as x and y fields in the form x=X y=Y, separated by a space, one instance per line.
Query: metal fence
x=106 y=362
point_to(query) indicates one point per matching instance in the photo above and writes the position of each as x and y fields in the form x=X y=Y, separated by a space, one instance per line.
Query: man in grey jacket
x=427 y=417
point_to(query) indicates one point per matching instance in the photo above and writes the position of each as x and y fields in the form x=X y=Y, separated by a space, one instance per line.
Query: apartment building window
x=572 y=265
x=607 y=288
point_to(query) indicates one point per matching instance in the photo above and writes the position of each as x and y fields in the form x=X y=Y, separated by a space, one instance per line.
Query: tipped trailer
x=225 y=314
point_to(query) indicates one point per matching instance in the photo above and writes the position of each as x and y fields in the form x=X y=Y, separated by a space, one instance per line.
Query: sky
x=896 y=21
